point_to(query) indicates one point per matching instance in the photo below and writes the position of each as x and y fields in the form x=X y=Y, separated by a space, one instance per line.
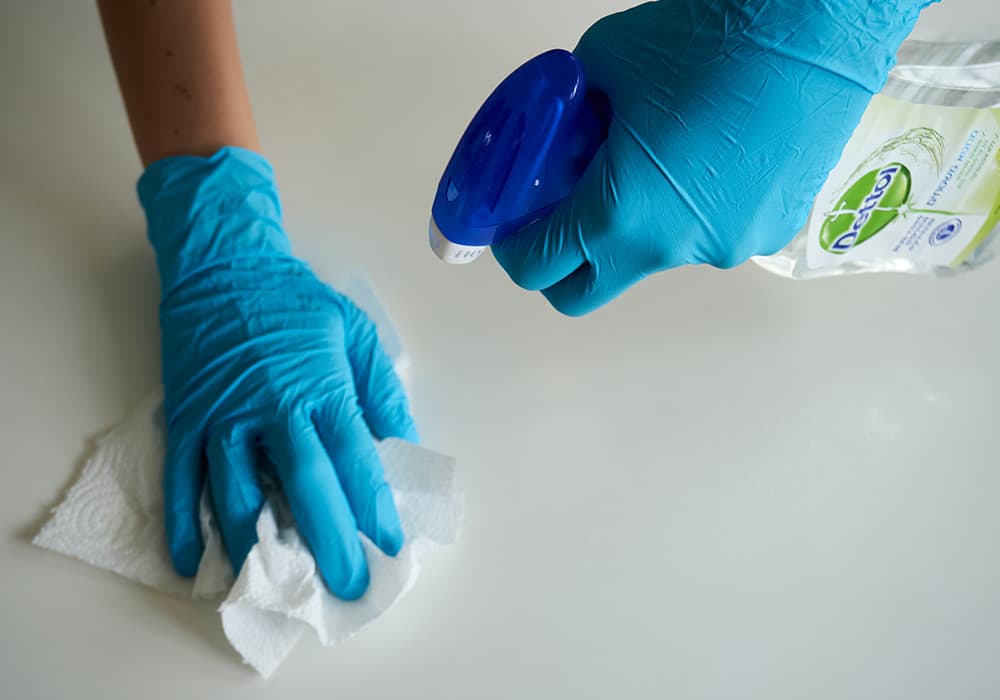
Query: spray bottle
x=917 y=188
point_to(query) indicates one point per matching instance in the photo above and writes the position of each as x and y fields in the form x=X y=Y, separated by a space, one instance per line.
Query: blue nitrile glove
x=265 y=369
x=728 y=117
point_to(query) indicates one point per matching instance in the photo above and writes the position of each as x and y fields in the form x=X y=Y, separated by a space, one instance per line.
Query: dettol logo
x=867 y=207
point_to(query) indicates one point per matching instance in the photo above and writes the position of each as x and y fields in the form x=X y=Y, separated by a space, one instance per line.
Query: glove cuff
x=203 y=212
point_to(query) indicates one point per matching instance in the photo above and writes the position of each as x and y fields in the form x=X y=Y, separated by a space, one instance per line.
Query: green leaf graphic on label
x=867 y=207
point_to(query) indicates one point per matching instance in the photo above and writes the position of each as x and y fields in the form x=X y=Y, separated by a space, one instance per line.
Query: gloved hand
x=728 y=117
x=265 y=369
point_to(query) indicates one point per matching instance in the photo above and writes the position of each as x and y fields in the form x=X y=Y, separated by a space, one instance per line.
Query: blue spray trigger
x=520 y=156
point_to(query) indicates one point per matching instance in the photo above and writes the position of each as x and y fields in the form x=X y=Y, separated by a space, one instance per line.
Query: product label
x=920 y=182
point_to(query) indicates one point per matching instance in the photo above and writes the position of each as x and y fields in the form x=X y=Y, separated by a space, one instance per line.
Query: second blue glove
x=728 y=115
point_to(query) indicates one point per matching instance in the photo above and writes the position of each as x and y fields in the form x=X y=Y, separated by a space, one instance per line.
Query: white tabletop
x=724 y=485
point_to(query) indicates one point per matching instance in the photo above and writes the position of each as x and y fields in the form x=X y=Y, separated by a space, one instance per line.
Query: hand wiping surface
x=112 y=518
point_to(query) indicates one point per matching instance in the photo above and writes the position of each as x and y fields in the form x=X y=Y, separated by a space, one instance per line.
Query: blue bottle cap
x=520 y=156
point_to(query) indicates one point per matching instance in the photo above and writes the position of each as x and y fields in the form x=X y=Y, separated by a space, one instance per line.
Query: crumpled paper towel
x=112 y=518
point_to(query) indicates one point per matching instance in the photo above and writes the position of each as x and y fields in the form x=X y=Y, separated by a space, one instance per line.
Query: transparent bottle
x=917 y=188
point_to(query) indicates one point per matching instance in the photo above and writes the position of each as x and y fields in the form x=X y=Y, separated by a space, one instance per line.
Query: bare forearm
x=178 y=67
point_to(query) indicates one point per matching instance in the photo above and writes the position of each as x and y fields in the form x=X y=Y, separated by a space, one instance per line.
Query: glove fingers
x=357 y=463
x=183 y=476
x=380 y=392
x=550 y=249
x=583 y=291
x=236 y=492
x=321 y=510
x=603 y=279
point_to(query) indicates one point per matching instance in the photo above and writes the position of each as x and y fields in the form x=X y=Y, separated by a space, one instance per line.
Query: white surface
x=725 y=485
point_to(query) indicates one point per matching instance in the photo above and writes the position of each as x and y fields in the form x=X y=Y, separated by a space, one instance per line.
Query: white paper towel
x=112 y=518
